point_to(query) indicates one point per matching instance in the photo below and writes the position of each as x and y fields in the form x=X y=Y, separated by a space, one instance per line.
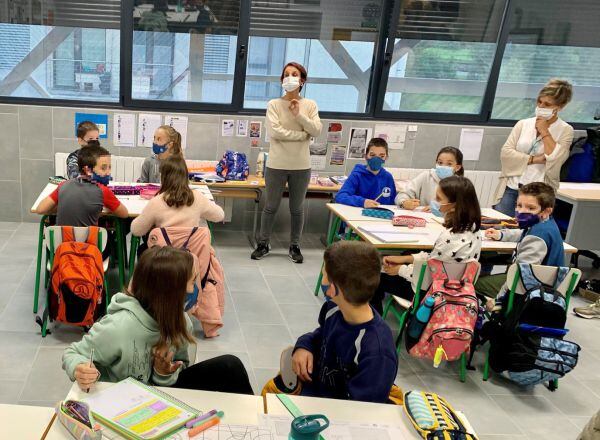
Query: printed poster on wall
x=334 y=132
x=101 y=120
x=147 y=125
x=255 y=129
x=242 y=128
x=318 y=156
x=124 y=129
x=179 y=123
x=338 y=154
x=394 y=134
x=357 y=142
x=227 y=127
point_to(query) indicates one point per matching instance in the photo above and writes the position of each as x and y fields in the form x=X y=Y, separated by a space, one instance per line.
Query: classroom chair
x=52 y=239
x=546 y=275
x=420 y=284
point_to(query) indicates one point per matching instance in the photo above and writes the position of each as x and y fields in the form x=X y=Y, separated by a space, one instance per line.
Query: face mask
x=103 y=180
x=290 y=83
x=375 y=163
x=191 y=298
x=544 y=113
x=159 y=149
x=443 y=171
x=435 y=208
x=527 y=219
x=325 y=289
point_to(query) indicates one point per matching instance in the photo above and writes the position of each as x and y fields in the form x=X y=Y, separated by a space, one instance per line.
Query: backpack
x=527 y=343
x=453 y=317
x=583 y=163
x=77 y=279
x=233 y=166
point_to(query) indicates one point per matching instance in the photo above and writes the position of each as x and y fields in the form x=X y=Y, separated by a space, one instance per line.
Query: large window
x=184 y=51
x=442 y=55
x=334 y=39
x=60 y=49
x=551 y=38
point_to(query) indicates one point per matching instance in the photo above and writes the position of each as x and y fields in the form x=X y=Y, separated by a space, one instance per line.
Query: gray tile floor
x=269 y=303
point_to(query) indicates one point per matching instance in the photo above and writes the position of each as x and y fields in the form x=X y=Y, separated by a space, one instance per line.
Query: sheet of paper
x=242 y=128
x=357 y=143
x=255 y=129
x=398 y=211
x=147 y=125
x=318 y=163
x=334 y=132
x=179 y=123
x=227 y=127
x=338 y=155
x=580 y=186
x=124 y=129
x=394 y=134
x=470 y=143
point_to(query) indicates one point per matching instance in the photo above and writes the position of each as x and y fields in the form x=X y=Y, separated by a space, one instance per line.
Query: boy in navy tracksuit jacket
x=368 y=182
x=351 y=355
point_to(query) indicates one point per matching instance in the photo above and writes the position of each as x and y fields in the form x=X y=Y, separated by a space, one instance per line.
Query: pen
x=91 y=364
x=379 y=196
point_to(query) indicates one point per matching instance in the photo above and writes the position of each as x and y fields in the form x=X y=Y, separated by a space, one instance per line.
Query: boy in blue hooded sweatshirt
x=369 y=185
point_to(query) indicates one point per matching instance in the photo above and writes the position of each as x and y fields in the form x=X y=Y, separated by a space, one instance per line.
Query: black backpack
x=583 y=163
x=527 y=343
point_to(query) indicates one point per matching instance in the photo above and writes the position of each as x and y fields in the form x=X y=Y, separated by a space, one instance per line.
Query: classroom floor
x=269 y=303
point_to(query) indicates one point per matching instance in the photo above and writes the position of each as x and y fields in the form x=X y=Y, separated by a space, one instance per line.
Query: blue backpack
x=233 y=166
x=583 y=164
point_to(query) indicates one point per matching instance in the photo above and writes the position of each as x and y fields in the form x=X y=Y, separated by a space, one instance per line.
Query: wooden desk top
x=580 y=192
x=255 y=182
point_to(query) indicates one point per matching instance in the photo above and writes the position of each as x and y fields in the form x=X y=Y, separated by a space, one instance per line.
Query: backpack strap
x=561 y=274
x=527 y=277
x=185 y=244
x=163 y=231
x=92 y=237
x=68 y=233
x=205 y=277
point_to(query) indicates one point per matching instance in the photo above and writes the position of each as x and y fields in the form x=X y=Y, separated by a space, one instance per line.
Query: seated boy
x=87 y=136
x=79 y=201
x=369 y=185
x=351 y=355
x=538 y=239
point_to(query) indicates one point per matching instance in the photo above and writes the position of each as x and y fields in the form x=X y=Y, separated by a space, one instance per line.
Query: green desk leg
x=36 y=292
x=120 y=253
x=135 y=243
x=335 y=225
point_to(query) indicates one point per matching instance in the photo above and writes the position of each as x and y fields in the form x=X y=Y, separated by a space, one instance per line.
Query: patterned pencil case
x=125 y=190
x=433 y=417
x=378 y=213
x=147 y=192
x=77 y=418
x=409 y=221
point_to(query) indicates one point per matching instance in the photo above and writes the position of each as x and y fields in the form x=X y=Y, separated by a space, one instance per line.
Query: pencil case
x=147 y=192
x=409 y=221
x=378 y=213
x=433 y=417
x=80 y=423
x=125 y=190
x=493 y=223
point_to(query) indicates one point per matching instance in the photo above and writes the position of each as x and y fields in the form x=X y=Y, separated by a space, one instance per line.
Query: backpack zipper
x=469 y=307
x=458 y=330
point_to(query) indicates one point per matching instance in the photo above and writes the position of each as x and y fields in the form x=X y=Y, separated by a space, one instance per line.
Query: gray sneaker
x=588 y=312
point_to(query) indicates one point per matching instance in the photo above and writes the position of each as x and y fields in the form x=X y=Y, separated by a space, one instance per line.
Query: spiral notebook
x=138 y=411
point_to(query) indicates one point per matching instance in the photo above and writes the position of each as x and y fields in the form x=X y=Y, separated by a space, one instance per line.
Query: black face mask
x=92 y=143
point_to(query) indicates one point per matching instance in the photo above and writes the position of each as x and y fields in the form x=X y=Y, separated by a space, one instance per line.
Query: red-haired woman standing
x=291 y=120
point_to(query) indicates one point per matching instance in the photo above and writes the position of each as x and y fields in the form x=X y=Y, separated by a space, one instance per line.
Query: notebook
x=138 y=411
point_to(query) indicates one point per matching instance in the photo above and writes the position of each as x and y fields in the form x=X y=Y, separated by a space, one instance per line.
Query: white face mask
x=544 y=113
x=290 y=83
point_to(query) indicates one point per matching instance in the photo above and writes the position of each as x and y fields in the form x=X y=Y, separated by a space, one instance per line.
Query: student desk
x=24 y=422
x=584 y=199
x=238 y=408
x=351 y=411
x=134 y=204
x=252 y=188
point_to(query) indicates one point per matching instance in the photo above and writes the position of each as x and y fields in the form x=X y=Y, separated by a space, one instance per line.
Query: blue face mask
x=103 y=180
x=527 y=219
x=325 y=289
x=443 y=171
x=191 y=298
x=435 y=208
x=375 y=163
x=159 y=149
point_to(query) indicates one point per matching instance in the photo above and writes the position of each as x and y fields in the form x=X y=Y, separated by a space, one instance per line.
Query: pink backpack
x=210 y=305
x=454 y=313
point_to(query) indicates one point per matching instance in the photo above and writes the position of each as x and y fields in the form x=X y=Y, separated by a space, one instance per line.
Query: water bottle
x=308 y=427
x=417 y=325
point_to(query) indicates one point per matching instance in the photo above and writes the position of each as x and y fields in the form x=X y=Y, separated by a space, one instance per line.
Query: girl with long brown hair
x=166 y=143
x=146 y=333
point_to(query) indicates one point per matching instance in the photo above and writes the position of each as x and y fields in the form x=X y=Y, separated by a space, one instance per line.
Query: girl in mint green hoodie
x=145 y=334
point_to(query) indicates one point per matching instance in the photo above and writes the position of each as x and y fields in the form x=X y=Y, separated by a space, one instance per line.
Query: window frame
x=380 y=68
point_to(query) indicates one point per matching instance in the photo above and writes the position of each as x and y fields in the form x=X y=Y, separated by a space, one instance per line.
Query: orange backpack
x=77 y=279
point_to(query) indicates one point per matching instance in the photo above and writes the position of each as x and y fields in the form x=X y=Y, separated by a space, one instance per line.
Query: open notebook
x=138 y=411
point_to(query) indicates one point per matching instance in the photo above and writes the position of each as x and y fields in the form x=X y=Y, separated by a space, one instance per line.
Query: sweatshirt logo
x=386 y=192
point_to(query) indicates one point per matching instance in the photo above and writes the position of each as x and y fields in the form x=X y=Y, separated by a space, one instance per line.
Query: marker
x=202 y=418
x=203 y=427
x=219 y=415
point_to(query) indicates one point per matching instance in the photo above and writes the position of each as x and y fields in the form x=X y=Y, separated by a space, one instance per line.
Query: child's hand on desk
x=492 y=234
x=302 y=364
x=370 y=203
x=86 y=376
x=391 y=269
x=411 y=204
x=163 y=361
